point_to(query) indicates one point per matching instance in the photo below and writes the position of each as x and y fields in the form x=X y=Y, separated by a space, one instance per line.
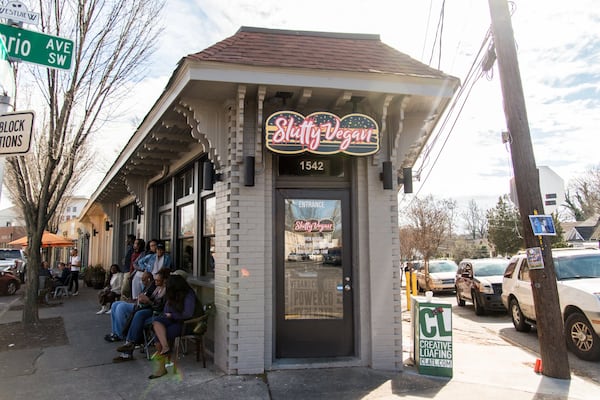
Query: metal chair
x=63 y=290
x=193 y=329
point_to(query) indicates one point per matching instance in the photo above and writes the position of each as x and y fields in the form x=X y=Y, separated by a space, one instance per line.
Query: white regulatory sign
x=17 y=11
x=15 y=133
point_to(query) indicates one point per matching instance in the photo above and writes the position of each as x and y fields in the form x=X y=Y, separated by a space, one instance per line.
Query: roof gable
x=314 y=50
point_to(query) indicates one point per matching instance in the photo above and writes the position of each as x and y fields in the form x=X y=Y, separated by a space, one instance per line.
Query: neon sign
x=289 y=132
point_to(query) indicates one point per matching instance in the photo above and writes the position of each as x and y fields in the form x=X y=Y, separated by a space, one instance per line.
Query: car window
x=490 y=267
x=7 y=253
x=524 y=272
x=442 y=266
x=510 y=269
x=577 y=266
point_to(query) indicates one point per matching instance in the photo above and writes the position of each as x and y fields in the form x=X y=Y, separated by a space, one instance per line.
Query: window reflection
x=313 y=259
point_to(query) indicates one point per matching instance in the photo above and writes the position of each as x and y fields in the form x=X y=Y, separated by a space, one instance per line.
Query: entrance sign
x=289 y=132
x=17 y=11
x=37 y=48
x=15 y=133
x=432 y=335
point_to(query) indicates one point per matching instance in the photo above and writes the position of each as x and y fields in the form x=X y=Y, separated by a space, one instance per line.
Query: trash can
x=432 y=335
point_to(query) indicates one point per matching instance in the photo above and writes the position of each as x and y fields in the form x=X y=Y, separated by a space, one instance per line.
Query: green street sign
x=37 y=48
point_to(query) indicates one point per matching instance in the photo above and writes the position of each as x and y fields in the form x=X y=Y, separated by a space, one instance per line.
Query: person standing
x=156 y=261
x=75 y=265
x=138 y=269
x=126 y=263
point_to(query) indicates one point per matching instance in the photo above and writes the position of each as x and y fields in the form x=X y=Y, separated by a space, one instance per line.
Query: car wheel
x=11 y=288
x=479 y=310
x=517 y=317
x=459 y=300
x=581 y=338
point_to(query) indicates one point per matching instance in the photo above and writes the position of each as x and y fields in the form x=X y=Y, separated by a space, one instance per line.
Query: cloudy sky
x=558 y=49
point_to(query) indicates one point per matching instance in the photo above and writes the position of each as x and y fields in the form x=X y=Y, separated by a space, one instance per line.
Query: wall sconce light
x=248 y=170
x=107 y=226
x=386 y=176
x=94 y=232
x=209 y=177
x=407 y=180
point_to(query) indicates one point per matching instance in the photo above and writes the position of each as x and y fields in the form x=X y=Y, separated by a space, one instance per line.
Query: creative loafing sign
x=289 y=132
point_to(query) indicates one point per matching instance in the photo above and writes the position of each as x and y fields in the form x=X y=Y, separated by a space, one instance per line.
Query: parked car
x=479 y=281
x=295 y=257
x=333 y=256
x=441 y=276
x=578 y=284
x=9 y=283
x=16 y=256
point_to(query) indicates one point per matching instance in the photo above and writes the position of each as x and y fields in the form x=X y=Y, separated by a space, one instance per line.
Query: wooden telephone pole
x=549 y=322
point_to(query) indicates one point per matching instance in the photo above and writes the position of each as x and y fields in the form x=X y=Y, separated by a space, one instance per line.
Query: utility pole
x=549 y=322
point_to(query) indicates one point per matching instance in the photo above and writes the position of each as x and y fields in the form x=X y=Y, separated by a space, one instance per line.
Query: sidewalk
x=487 y=369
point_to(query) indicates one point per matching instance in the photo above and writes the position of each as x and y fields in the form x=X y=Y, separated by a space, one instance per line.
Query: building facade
x=270 y=167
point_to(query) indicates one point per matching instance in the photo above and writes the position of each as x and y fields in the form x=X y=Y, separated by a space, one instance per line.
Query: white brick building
x=220 y=163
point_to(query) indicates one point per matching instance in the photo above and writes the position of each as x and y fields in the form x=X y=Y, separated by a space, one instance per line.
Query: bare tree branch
x=112 y=41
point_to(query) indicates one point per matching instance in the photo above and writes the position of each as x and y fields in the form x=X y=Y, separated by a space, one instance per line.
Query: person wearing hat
x=156 y=261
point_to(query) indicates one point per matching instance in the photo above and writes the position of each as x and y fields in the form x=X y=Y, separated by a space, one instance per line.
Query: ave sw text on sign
x=15 y=132
x=37 y=48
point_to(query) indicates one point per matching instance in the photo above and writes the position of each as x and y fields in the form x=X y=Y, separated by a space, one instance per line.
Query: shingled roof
x=314 y=50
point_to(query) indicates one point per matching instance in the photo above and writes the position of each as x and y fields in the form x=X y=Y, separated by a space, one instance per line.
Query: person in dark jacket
x=180 y=305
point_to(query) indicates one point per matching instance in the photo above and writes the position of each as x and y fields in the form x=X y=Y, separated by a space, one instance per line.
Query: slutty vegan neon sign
x=289 y=132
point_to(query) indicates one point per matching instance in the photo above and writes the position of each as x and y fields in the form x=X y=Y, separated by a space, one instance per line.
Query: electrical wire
x=473 y=75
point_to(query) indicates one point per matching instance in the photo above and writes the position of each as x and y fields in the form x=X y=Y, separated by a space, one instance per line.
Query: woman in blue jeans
x=180 y=305
x=148 y=306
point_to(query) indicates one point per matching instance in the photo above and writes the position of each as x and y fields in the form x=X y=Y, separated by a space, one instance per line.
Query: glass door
x=314 y=274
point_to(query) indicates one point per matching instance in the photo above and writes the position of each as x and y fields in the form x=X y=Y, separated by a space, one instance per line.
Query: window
x=551 y=195
x=209 y=224
x=184 y=183
x=185 y=237
x=165 y=228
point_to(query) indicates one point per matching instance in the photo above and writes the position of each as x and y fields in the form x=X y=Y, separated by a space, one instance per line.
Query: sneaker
x=75 y=293
x=122 y=358
x=107 y=311
x=111 y=337
x=126 y=348
x=102 y=310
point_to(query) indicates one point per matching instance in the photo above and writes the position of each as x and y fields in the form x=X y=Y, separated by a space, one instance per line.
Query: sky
x=558 y=45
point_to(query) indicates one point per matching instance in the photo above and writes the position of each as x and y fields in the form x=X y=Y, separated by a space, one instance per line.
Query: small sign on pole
x=15 y=133
x=17 y=11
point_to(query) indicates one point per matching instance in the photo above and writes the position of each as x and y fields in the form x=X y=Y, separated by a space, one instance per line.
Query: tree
x=408 y=250
x=505 y=227
x=583 y=197
x=475 y=220
x=113 y=40
x=431 y=220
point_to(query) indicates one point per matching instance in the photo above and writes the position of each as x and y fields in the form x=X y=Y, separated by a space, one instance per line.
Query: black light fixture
x=248 y=170
x=407 y=180
x=107 y=226
x=386 y=176
x=209 y=177
x=94 y=232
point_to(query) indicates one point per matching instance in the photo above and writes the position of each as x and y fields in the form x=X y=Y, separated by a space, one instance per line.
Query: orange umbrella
x=48 y=240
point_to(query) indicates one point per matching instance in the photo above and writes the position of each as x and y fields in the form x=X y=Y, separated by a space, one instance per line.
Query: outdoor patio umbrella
x=48 y=240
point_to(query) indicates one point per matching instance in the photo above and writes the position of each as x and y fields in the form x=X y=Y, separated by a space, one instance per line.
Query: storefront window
x=184 y=183
x=209 y=213
x=186 y=234
x=313 y=259
x=165 y=229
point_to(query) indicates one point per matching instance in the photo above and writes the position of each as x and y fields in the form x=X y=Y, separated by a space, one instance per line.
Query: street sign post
x=38 y=48
x=15 y=133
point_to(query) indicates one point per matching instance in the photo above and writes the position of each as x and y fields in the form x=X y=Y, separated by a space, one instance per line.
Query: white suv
x=578 y=275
